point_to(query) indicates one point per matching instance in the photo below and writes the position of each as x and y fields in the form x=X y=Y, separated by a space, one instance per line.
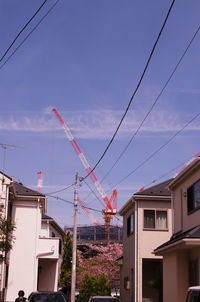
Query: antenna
x=5 y=146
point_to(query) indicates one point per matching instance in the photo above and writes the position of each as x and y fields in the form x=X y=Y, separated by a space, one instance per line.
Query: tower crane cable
x=34 y=28
x=20 y=32
x=134 y=93
x=153 y=105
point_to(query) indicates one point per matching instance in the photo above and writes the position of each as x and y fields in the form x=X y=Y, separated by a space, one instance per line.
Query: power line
x=71 y=202
x=159 y=149
x=137 y=87
x=92 y=191
x=20 y=32
x=153 y=105
x=58 y=191
x=34 y=28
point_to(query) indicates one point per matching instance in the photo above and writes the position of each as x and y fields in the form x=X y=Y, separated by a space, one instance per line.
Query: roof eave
x=152 y=197
x=185 y=242
x=188 y=170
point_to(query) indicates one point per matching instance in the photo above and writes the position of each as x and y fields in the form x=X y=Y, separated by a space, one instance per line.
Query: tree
x=6 y=236
x=101 y=262
x=93 y=286
x=103 y=287
x=66 y=266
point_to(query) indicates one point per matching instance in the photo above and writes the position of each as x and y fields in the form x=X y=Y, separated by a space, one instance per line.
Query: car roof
x=105 y=297
x=194 y=287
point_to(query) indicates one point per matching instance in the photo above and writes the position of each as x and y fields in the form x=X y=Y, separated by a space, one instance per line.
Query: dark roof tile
x=191 y=233
x=160 y=189
x=24 y=191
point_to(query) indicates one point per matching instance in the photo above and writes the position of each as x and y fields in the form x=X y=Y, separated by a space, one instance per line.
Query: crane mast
x=109 y=209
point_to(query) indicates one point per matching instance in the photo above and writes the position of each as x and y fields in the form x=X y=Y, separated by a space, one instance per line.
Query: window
x=193 y=197
x=60 y=246
x=130 y=224
x=155 y=219
x=126 y=283
x=193 y=272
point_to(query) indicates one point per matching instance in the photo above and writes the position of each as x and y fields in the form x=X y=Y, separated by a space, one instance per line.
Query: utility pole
x=73 y=285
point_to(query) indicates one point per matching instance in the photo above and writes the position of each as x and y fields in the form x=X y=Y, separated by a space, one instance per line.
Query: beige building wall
x=183 y=221
x=127 y=270
x=148 y=240
x=184 y=248
x=140 y=245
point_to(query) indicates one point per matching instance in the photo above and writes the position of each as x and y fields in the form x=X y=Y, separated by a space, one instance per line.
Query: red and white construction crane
x=39 y=173
x=111 y=204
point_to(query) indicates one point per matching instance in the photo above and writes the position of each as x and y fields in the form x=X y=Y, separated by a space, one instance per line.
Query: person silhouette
x=21 y=297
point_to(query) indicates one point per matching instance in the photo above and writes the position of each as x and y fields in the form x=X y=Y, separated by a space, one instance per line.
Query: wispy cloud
x=95 y=124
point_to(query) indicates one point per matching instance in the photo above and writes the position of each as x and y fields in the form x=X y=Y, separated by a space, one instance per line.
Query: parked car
x=103 y=299
x=193 y=294
x=47 y=297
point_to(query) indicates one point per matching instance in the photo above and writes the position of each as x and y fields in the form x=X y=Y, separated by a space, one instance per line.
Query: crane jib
x=113 y=198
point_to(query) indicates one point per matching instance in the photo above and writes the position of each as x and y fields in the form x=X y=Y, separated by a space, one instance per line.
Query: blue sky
x=86 y=59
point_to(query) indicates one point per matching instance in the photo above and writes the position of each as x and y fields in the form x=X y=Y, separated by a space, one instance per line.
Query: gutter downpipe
x=136 y=251
x=172 y=207
x=35 y=285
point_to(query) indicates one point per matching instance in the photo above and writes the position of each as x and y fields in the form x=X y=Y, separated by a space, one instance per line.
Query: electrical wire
x=92 y=191
x=159 y=149
x=34 y=28
x=153 y=105
x=134 y=93
x=71 y=202
x=61 y=190
x=21 y=31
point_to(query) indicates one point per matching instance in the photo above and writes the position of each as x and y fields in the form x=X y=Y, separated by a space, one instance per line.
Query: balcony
x=48 y=248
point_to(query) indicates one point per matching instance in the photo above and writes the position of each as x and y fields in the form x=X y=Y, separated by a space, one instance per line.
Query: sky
x=86 y=58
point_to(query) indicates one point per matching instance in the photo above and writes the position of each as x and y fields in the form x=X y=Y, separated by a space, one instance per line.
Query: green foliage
x=93 y=286
x=66 y=266
x=6 y=236
x=103 y=287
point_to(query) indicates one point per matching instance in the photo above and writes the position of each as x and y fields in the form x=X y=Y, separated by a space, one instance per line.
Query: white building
x=33 y=262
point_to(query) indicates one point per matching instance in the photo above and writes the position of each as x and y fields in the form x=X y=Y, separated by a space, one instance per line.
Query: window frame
x=191 y=198
x=155 y=219
x=130 y=225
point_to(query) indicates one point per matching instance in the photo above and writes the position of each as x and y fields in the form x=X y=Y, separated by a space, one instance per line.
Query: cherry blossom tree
x=104 y=262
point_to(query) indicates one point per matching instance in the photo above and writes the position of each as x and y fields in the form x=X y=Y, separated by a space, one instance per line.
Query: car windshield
x=47 y=297
x=193 y=296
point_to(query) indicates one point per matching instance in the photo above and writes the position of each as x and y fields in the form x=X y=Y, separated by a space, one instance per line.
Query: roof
x=5 y=175
x=160 y=189
x=193 y=233
x=54 y=224
x=46 y=217
x=20 y=189
x=188 y=169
